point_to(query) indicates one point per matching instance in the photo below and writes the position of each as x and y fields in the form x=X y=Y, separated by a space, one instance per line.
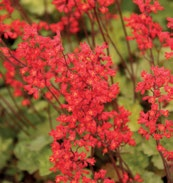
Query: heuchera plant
x=81 y=84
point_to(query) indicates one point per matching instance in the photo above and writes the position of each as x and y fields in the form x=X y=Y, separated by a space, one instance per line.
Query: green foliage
x=43 y=161
x=134 y=108
x=150 y=177
x=133 y=155
x=149 y=147
x=162 y=15
x=30 y=151
x=37 y=7
x=144 y=159
x=37 y=152
x=157 y=162
x=5 y=150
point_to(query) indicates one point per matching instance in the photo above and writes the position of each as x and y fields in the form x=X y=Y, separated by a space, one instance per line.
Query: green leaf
x=32 y=151
x=40 y=142
x=16 y=42
x=126 y=87
x=150 y=177
x=29 y=163
x=149 y=147
x=157 y=162
x=169 y=107
x=138 y=138
x=5 y=150
x=136 y=160
x=127 y=6
x=167 y=143
x=27 y=160
x=37 y=7
x=43 y=161
x=141 y=66
x=39 y=105
x=162 y=15
x=134 y=108
x=42 y=129
x=117 y=35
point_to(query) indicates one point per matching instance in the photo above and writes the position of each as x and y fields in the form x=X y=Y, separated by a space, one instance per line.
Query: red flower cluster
x=83 y=81
x=159 y=85
x=144 y=30
x=75 y=9
x=166 y=38
x=37 y=58
x=6 y=5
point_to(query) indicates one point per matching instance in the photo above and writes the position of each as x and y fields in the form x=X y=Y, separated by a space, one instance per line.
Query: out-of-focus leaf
x=150 y=177
x=127 y=6
x=149 y=147
x=32 y=151
x=126 y=87
x=43 y=161
x=29 y=163
x=141 y=65
x=167 y=143
x=118 y=37
x=157 y=161
x=6 y=181
x=39 y=105
x=5 y=94
x=136 y=160
x=5 y=150
x=38 y=7
x=13 y=171
x=27 y=160
x=134 y=108
x=16 y=42
x=42 y=129
x=38 y=143
x=162 y=15
x=138 y=138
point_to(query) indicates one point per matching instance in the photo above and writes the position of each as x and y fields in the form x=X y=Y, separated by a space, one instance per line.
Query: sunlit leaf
x=37 y=7
x=149 y=147
x=40 y=142
x=157 y=161
x=43 y=161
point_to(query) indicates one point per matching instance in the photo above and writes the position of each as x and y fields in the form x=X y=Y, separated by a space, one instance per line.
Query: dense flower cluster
x=166 y=38
x=144 y=30
x=154 y=122
x=82 y=79
x=84 y=84
x=12 y=30
x=74 y=10
x=36 y=58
